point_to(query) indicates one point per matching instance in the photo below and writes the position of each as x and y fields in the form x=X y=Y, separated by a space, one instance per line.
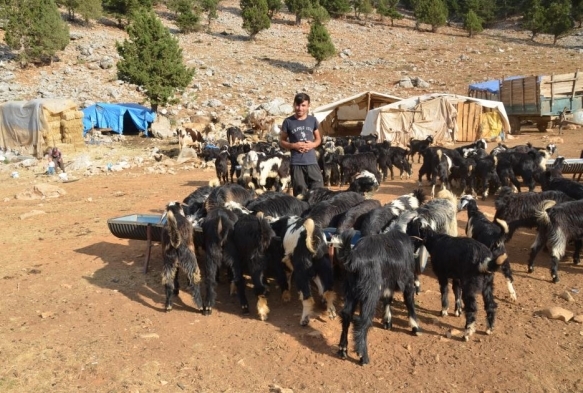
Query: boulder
x=557 y=313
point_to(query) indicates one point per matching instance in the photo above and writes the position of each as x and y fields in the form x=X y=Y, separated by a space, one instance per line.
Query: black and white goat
x=466 y=150
x=519 y=210
x=353 y=217
x=306 y=255
x=376 y=268
x=351 y=164
x=470 y=265
x=558 y=225
x=375 y=221
x=227 y=193
x=178 y=252
x=194 y=203
x=327 y=213
x=491 y=234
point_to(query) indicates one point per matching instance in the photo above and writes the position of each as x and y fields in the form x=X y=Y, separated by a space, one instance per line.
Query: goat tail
x=541 y=215
x=495 y=161
x=439 y=154
x=173 y=230
x=503 y=225
x=310 y=226
x=214 y=182
x=447 y=194
x=419 y=194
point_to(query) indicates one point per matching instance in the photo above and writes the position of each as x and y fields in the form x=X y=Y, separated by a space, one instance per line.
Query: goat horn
x=416 y=237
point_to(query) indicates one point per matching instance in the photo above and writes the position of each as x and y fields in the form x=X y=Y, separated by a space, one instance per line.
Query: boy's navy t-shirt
x=301 y=130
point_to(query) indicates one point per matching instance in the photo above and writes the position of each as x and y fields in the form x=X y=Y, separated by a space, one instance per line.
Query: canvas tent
x=118 y=117
x=342 y=118
x=38 y=123
x=447 y=117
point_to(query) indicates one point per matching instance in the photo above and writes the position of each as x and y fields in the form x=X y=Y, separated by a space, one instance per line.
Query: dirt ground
x=79 y=314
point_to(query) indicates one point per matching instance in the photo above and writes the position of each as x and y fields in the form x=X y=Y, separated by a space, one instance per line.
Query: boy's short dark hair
x=301 y=97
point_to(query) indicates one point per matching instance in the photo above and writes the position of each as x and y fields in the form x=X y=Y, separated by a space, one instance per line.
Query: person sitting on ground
x=57 y=158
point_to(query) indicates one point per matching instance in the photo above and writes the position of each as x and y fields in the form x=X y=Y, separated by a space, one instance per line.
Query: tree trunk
x=298 y=19
x=154 y=108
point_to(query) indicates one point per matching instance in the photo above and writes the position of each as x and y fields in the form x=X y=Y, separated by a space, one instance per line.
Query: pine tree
x=211 y=7
x=273 y=7
x=472 y=23
x=534 y=19
x=336 y=8
x=35 y=28
x=152 y=59
x=431 y=12
x=298 y=8
x=388 y=8
x=320 y=46
x=187 y=18
x=90 y=10
x=122 y=10
x=255 y=18
x=559 y=22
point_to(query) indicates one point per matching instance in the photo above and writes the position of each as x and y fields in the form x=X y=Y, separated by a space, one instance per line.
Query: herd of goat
x=253 y=227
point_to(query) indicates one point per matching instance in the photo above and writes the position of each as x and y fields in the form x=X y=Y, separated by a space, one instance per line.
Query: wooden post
x=574 y=85
x=552 y=91
x=149 y=250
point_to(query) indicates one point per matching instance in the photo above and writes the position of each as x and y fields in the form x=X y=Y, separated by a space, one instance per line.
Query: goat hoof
x=457 y=313
x=466 y=337
x=489 y=331
x=168 y=308
x=342 y=353
x=444 y=313
x=530 y=269
x=388 y=325
x=555 y=279
x=364 y=361
x=245 y=309
x=305 y=322
x=576 y=262
x=416 y=331
x=207 y=311
x=175 y=292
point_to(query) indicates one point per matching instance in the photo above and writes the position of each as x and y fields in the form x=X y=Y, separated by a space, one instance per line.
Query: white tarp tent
x=418 y=117
x=350 y=109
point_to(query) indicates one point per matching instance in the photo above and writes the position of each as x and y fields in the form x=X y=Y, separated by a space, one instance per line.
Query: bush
x=320 y=46
x=255 y=18
x=431 y=12
x=472 y=23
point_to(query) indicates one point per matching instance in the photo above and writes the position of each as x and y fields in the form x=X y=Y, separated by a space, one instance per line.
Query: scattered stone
x=46 y=314
x=31 y=213
x=557 y=313
x=567 y=296
x=453 y=333
x=278 y=389
x=150 y=335
x=578 y=318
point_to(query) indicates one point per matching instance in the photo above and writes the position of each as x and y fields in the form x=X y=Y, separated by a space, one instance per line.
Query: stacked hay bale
x=52 y=135
x=72 y=128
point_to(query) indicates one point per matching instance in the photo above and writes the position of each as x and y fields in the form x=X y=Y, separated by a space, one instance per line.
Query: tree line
x=151 y=56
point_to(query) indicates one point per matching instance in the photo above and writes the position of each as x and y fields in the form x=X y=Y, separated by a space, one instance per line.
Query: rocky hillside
x=234 y=75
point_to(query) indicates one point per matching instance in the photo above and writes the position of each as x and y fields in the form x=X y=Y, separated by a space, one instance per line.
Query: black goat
x=277 y=204
x=327 y=213
x=222 y=167
x=375 y=221
x=520 y=210
x=418 y=146
x=235 y=135
x=353 y=217
x=558 y=225
x=194 y=203
x=567 y=186
x=490 y=234
x=217 y=228
x=231 y=192
x=178 y=252
x=470 y=264
x=351 y=164
x=377 y=267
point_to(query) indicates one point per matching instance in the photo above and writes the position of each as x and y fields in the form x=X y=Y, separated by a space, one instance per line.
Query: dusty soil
x=79 y=314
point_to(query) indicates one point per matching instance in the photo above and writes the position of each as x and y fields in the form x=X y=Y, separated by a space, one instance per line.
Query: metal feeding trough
x=139 y=227
x=570 y=166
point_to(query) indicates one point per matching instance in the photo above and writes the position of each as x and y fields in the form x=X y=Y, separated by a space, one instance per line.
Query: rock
x=278 y=389
x=557 y=313
x=453 y=333
x=161 y=128
x=150 y=335
x=578 y=318
x=567 y=296
x=405 y=83
x=418 y=82
x=31 y=213
x=106 y=62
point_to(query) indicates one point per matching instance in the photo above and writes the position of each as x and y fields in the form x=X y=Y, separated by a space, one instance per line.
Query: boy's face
x=301 y=109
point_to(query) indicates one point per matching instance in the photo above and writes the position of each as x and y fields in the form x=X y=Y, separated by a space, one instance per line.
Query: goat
x=418 y=146
x=467 y=149
x=222 y=167
x=364 y=183
x=376 y=268
x=328 y=212
x=235 y=135
x=351 y=164
x=490 y=234
x=219 y=196
x=277 y=204
x=375 y=221
x=178 y=252
x=567 y=186
x=470 y=264
x=195 y=201
x=251 y=238
x=306 y=255
x=558 y=225
x=519 y=210
x=217 y=227
x=353 y=217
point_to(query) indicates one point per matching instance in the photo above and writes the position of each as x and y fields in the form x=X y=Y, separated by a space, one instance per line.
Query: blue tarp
x=492 y=86
x=102 y=115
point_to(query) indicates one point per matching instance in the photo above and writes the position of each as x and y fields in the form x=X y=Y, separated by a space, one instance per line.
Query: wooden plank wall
x=468 y=121
x=562 y=85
